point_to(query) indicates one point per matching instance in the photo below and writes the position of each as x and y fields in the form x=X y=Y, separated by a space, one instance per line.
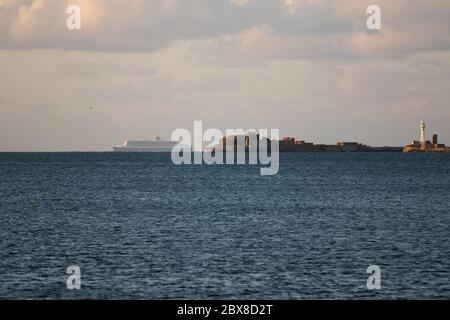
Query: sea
x=139 y=227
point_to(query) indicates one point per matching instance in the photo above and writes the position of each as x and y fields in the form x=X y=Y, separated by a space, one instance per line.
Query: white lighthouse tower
x=422 y=135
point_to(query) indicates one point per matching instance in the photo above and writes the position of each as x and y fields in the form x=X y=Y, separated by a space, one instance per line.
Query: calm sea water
x=140 y=227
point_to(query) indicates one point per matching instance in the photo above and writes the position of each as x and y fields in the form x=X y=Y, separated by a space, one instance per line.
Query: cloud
x=266 y=28
x=292 y=6
x=239 y=3
x=91 y=69
x=26 y=21
x=6 y=3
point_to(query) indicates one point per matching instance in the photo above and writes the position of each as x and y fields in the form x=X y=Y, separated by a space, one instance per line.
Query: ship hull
x=143 y=149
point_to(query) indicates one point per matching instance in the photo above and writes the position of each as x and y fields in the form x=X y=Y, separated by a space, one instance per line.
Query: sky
x=138 y=69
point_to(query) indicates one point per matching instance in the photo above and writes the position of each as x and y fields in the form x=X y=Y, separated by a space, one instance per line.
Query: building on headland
x=289 y=144
x=424 y=145
x=240 y=143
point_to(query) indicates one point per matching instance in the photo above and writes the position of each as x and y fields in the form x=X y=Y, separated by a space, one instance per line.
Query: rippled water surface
x=140 y=227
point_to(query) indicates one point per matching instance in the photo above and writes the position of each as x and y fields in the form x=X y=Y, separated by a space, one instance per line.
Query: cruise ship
x=146 y=146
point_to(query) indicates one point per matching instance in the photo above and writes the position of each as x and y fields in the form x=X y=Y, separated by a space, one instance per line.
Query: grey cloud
x=315 y=29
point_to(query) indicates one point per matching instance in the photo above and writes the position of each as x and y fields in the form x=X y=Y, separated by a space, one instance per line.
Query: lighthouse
x=425 y=145
x=423 y=140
